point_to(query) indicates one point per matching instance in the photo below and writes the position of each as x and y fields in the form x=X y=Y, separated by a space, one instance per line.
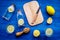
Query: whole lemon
x=50 y=10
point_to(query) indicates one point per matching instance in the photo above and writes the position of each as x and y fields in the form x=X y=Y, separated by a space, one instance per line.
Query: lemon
x=11 y=8
x=20 y=22
x=50 y=10
x=36 y=33
x=49 y=20
x=10 y=29
x=49 y=32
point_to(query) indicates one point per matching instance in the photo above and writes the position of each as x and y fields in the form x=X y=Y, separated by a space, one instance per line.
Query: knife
x=36 y=15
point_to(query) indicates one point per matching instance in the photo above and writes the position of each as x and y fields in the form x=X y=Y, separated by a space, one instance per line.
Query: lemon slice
x=11 y=8
x=49 y=32
x=20 y=22
x=49 y=20
x=10 y=29
x=36 y=33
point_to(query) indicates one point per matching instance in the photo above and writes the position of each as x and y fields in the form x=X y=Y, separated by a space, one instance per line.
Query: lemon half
x=10 y=29
x=20 y=22
x=36 y=33
x=49 y=32
x=49 y=20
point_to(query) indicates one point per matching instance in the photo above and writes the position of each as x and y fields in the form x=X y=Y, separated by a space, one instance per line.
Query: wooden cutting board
x=30 y=9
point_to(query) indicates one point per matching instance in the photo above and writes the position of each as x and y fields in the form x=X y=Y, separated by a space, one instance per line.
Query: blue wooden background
x=4 y=35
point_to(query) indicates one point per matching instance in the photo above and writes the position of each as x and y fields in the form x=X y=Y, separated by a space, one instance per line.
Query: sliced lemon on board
x=36 y=33
x=20 y=22
x=10 y=29
x=49 y=32
x=49 y=20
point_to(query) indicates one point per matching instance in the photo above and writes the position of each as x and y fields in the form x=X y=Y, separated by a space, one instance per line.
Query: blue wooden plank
x=42 y=27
